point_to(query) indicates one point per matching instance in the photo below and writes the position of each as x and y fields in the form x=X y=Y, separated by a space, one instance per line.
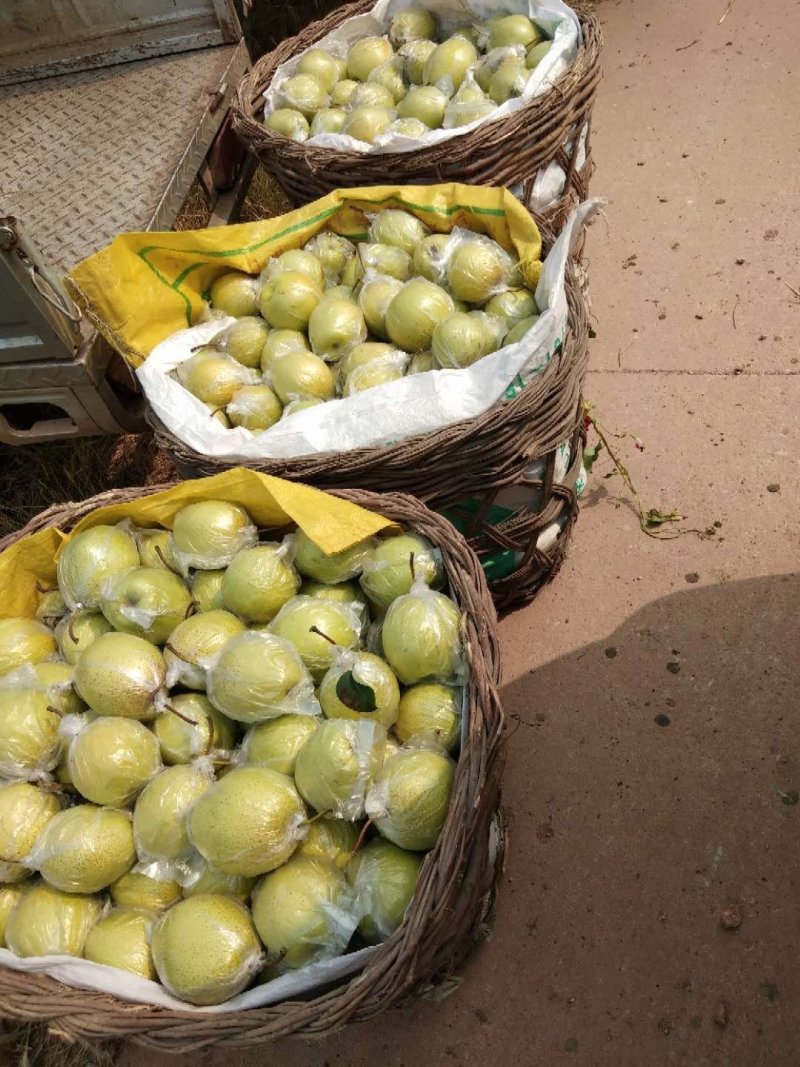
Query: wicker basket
x=507 y=152
x=450 y=909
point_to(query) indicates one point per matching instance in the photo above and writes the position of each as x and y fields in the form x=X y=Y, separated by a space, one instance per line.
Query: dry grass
x=24 y=1045
x=265 y=199
x=195 y=210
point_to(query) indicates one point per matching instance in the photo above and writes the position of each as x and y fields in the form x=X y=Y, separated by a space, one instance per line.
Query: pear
x=412 y=24
x=332 y=840
x=426 y=103
x=514 y=29
x=24 y=641
x=288 y=299
x=343 y=92
x=414 y=55
x=367 y=123
x=195 y=642
x=206 y=589
x=343 y=592
x=275 y=743
x=478 y=268
x=25 y=810
x=110 y=760
x=77 y=631
x=449 y=62
x=410 y=798
x=421 y=636
x=245 y=339
x=29 y=741
x=259 y=581
x=234 y=293
x=360 y=686
x=301 y=375
x=290 y=123
x=383 y=878
x=255 y=407
x=248 y=823
x=462 y=339
x=300 y=260
x=304 y=93
x=159 y=818
x=48 y=922
x=89 y=559
x=208 y=534
x=333 y=251
x=121 y=674
x=312 y=562
x=336 y=326
x=213 y=377
x=336 y=766
x=9 y=895
x=201 y=878
x=322 y=65
x=205 y=949
x=279 y=343
x=156 y=549
x=367 y=54
x=193 y=727
x=413 y=314
x=259 y=676
x=430 y=257
x=315 y=627
x=85 y=848
x=122 y=939
x=139 y=890
x=375 y=297
x=51 y=677
x=430 y=713
x=146 y=601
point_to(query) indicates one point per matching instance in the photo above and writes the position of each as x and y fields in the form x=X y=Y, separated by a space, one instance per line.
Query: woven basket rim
x=424 y=946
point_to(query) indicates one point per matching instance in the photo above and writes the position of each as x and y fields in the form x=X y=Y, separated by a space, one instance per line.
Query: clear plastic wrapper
x=244 y=340
x=75 y=632
x=410 y=798
x=398 y=228
x=414 y=313
x=199 y=877
x=465 y=337
x=332 y=840
x=255 y=407
x=333 y=251
x=9 y=895
x=159 y=818
x=431 y=714
x=210 y=533
x=24 y=641
x=259 y=676
x=313 y=563
x=304 y=912
x=121 y=674
x=380 y=371
x=51 y=677
x=366 y=54
x=279 y=343
x=47 y=922
x=316 y=627
x=290 y=123
x=259 y=581
x=373 y=641
x=275 y=744
x=477 y=267
x=430 y=257
x=410 y=128
x=512 y=306
x=387 y=571
x=368 y=98
x=25 y=810
x=146 y=601
x=390 y=76
x=234 y=293
x=205 y=949
x=336 y=325
x=288 y=299
x=249 y=822
x=386 y=260
x=508 y=81
x=121 y=939
x=190 y=726
x=195 y=643
x=360 y=686
x=303 y=93
x=384 y=878
x=470 y=104
x=337 y=765
x=88 y=559
x=84 y=849
x=414 y=55
x=421 y=637
x=489 y=65
x=29 y=740
x=110 y=759
x=375 y=295
x=138 y=890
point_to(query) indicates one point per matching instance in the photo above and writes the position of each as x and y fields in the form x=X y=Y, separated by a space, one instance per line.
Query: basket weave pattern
x=508 y=151
x=448 y=913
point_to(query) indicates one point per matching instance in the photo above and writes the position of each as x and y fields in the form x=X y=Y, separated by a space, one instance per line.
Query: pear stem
x=411 y=565
x=316 y=630
x=45 y=588
x=174 y=711
x=162 y=557
x=273 y=960
x=361 y=836
x=319 y=815
x=55 y=711
x=191 y=609
x=183 y=659
x=70 y=630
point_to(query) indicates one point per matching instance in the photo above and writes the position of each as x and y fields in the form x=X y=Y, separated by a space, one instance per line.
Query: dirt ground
x=653 y=775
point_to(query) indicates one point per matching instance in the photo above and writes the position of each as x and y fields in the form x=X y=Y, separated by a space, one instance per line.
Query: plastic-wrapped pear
x=259 y=676
x=387 y=572
x=372 y=95
x=489 y=65
x=304 y=912
x=537 y=53
x=304 y=621
x=343 y=592
x=514 y=29
x=213 y=378
x=431 y=713
x=430 y=257
x=29 y=741
x=512 y=306
x=192 y=727
x=47 y=922
x=300 y=261
x=421 y=636
x=301 y=404
x=336 y=325
x=390 y=76
x=333 y=251
x=209 y=534
x=290 y=123
x=412 y=128
x=468 y=105
x=77 y=631
x=462 y=339
x=411 y=24
x=155 y=548
x=195 y=642
x=288 y=299
x=206 y=589
x=415 y=54
x=377 y=372
x=249 y=822
x=301 y=375
x=200 y=878
x=411 y=796
x=137 y=890
x=87 y=560
x=336 y=766
x=509 y=80
x=111 y=760
x=397 y=228
x=313 y=563
x=332 y=840
x=25 y=810
x=449 y=62
x=517 y=332
x=361 y=355
x=159 y=818
x=205 y=949
x=368 y=123
x=387 y=260
x=51 y=677
x=328 y=120
x=321 y=65
x=421 y=362
x=360 y=686
x=9 y=895
x=275 y=744
x=343 y=92
x=85 y=848
x=279 y=343
x=146 y=601
x=367 y=54
x=245 y=340
x=235 y=293
x=384 y=878
x=51 y=607
x=375 y=297
x=259 y=581
x=426 y=103
x=304 y=93
x=122 y=939
x=477 y=269
x=121 y=674
x=414 y=313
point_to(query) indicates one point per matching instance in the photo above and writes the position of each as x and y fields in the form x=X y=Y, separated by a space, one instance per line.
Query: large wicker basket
x=453 y=900
x=507 y=152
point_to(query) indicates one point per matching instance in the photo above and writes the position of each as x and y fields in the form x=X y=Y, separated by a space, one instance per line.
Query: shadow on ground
x=651 y=789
